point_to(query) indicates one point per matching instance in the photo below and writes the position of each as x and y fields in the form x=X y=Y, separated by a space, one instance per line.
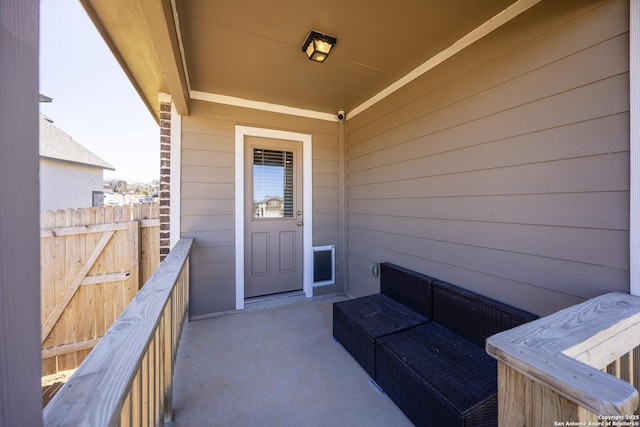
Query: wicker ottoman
x=438 y=378
x=357 y=323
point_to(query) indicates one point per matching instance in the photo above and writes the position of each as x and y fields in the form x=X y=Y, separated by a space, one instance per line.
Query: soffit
x=123 y=26
x=251 y=49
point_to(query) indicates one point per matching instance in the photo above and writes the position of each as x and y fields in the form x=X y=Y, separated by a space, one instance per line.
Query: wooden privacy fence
x=92 y=263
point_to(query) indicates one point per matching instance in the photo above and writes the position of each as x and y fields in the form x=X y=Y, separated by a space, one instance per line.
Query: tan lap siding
x=207 y=205
x=505 y=169
x=208 y=194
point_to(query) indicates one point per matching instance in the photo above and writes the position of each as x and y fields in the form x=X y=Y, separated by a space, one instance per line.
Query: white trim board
x=492 y=24
x=259 y=105
x=634 y=147
x=307 y=203
x=176 y=22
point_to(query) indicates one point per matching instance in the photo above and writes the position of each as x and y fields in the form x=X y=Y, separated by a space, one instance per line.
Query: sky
x=93 y=100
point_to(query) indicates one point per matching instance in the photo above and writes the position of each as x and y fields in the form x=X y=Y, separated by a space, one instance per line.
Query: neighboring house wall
x=505 y=169
x=69 y=172
x=67 y=186
x=207 y=194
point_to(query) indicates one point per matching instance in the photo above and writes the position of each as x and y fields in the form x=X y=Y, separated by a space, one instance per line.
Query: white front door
x=273 y=216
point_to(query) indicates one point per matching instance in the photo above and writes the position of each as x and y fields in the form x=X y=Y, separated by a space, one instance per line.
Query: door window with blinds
x=272 y=183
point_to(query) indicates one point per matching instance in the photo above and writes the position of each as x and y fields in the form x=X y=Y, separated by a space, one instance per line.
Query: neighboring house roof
x=55 y=144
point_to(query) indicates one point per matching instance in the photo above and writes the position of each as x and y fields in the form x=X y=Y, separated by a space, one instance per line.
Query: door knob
x=299 y=223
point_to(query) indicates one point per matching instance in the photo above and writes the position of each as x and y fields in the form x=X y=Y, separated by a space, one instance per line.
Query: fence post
x=134 y=260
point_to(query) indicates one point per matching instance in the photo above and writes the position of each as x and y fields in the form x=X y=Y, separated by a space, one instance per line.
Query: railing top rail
x=566 y=350
x=95 y=393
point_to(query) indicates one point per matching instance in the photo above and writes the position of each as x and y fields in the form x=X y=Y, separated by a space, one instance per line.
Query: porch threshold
x=274 y=300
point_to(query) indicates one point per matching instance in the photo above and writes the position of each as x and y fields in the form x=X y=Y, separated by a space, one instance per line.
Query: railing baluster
x=136 y=412
x=625 y=365
x=156 y=379
x=635 y=375
x=169 y=367
x=125 y=413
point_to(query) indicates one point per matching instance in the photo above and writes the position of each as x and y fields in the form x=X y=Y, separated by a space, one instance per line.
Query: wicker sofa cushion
x=473 y=316
x=357 y=323
x=437 y=377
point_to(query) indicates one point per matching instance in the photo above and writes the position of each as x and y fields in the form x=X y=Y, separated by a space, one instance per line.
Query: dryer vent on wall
x=324 y=265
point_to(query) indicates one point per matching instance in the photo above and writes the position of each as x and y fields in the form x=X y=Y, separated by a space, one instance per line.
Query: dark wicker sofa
x=422 y=341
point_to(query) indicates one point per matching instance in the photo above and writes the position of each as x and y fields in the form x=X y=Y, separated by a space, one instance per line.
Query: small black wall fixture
x=318 y=45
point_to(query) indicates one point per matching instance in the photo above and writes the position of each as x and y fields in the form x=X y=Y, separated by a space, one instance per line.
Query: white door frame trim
x=307 y=203
x=634 y=142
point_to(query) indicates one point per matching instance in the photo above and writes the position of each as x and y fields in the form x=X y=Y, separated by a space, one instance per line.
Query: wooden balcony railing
x=127 y=379
x=554 y=371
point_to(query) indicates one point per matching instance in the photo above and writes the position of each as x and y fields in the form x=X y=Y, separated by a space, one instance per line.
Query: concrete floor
x=276 y=366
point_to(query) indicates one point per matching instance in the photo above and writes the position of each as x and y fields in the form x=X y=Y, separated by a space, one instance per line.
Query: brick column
x=165 y=174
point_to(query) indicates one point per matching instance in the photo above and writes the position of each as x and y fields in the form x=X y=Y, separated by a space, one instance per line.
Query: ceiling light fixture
x=318 y=45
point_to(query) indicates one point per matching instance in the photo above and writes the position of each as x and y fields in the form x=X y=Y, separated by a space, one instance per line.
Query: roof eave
x=71 y=162
x=148 y=34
